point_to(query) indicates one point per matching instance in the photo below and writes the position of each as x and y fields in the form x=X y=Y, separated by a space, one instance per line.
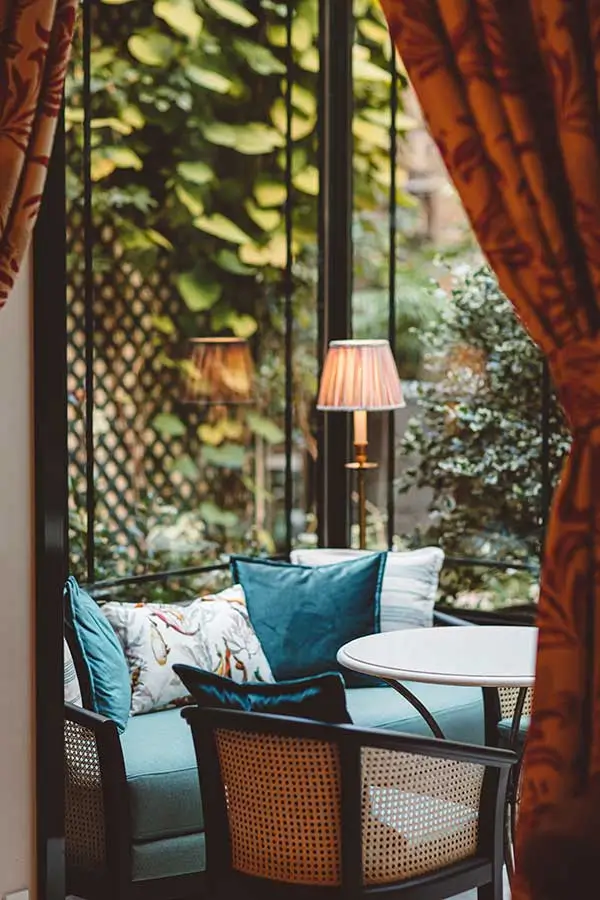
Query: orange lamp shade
x=219 y=370
x=360 y=375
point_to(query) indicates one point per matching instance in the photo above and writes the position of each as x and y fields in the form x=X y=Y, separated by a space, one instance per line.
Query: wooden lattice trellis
x=131 y=458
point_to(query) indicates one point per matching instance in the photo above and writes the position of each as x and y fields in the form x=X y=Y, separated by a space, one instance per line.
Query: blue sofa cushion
x=457 y=710
x=303 y=614
x=161 y=765
x=162 y=777
x=505 y=728
x=321 y=697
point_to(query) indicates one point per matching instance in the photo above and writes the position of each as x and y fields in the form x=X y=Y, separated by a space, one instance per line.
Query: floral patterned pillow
x=213 y=633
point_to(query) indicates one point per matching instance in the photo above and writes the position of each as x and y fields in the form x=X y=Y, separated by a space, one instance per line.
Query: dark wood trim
x=336 y=30
x=51 y=516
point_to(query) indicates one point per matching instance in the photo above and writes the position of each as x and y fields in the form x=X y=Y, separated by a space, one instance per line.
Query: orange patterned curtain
x=511 y=92
x=35 y=39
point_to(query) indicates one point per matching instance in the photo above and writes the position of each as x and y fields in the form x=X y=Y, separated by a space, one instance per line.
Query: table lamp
x=358 y=377
x=219 y=372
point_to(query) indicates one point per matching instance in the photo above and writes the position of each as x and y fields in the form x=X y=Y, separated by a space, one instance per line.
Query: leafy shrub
x=478 y=439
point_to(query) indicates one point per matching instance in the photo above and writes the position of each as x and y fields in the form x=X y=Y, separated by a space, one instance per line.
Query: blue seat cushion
x=169 y=857
x=162 y=776
x=457 y=710
x=505 y=727
x=161 y=768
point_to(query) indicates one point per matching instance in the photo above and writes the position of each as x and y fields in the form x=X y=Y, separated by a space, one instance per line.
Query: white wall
x=16 y=593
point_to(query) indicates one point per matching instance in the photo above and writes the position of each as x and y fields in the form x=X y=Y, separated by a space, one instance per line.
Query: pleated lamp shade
x=360 y=375
x=219 y=371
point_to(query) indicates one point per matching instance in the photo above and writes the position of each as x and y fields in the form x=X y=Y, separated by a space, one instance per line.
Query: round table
x=488 y=656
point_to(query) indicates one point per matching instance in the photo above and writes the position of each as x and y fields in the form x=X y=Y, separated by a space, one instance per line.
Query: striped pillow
x=410 y=582
x=72 y=689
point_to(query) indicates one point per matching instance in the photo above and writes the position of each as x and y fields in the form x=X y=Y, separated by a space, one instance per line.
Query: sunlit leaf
x=220 y=133
x=151 y=48
x=365 y=70
x=233 y=12
x=243 y=326
x=370 y=133
x=159 y=239
x=273 y=254
x=230 y=262
x=310 y=61
x=116 y=2
x=111 y=122
x=197 y=172
x=211 y=434
x=232 y=428
x=214 y=515
x=266 y=219
x=212 y=81
x=374 y=32
x=226 y=456
x=163 y=324
x=198 y=295
x=101 y=167
x=277 y=35
x=259 y=57
x=307 y=181
x=301 y=126
x=265 y=428
x=133 y=116
x=181 y=16
x=186 y=466
x=221 y=227
x=256 y=138
x=302 y=34
x=194 y=206
x=169 y=425
x=269 y=193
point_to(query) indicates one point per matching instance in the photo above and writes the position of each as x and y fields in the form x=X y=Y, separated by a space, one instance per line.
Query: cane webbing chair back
x=419 y=813
x=85 y=839
x=508 y=697
x=283 y=806
x=308 y=805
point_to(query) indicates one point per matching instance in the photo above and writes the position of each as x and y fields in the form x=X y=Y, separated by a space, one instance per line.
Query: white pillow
x=72 y=688
x=409 y=587
x=213 y=633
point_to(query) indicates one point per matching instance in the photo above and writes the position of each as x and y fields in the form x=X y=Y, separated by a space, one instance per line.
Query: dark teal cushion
x=320 y=697
x=303 y=614
x=98 y=652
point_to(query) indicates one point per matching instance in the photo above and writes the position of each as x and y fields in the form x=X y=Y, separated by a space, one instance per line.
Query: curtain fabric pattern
x=510 y=90
x=35 y=40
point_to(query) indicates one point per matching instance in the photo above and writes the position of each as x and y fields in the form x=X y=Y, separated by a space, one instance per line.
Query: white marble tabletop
x=482 y=655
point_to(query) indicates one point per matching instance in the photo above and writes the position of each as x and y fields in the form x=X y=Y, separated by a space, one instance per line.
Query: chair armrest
x=97 y=819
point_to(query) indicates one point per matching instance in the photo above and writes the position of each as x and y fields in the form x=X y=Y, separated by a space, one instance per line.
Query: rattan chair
x=98 y=840
x=297 y=809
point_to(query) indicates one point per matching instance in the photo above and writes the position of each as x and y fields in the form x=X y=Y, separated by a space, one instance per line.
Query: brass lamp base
x=361 y=465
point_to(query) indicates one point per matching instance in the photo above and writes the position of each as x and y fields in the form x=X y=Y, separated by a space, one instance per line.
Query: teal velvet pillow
x=322 y=697
x=303 y=614
x=98 y=656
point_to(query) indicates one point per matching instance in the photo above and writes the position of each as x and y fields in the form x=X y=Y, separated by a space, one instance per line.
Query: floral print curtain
x=35 y=39
x=511 y=92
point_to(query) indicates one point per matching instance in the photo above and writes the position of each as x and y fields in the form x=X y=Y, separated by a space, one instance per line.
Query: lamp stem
x=360 y=455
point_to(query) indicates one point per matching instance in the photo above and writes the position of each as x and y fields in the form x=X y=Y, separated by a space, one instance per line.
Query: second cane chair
x=298 y=810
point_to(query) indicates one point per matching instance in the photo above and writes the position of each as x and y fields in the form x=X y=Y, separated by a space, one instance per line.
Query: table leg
x=492 y=716
x=420 y=707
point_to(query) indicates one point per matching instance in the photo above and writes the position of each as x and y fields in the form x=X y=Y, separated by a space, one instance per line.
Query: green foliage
x=189 y=128
x=477 y=441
